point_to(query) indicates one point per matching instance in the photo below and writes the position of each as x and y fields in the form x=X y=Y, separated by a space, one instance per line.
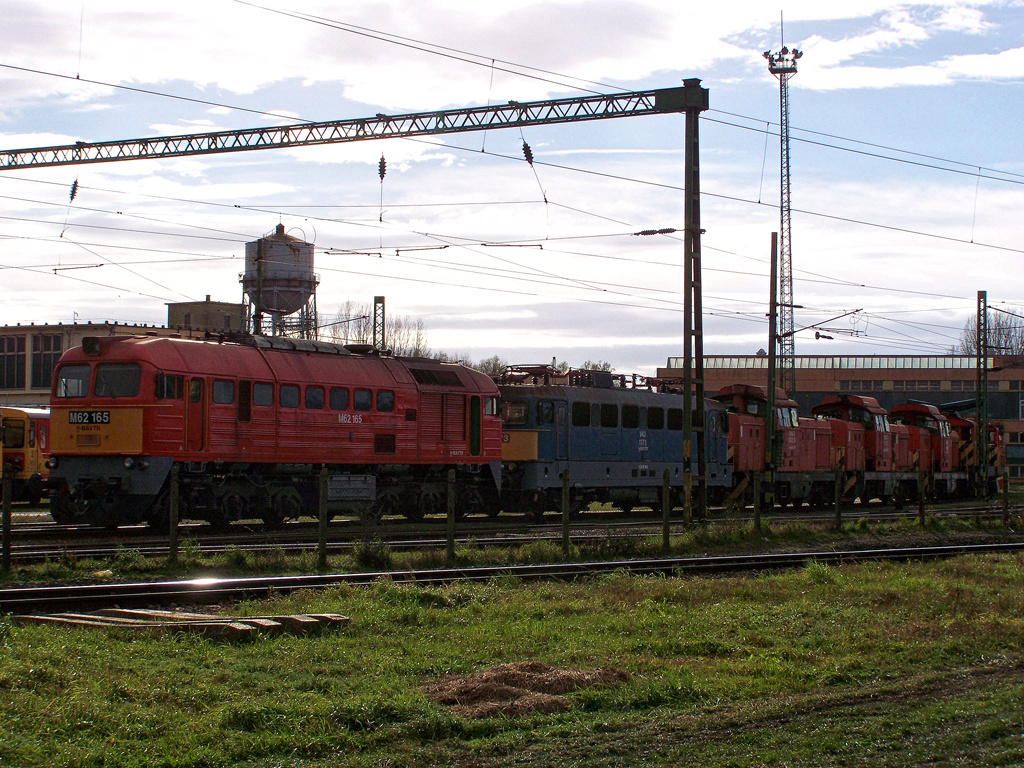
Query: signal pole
x=783 y=66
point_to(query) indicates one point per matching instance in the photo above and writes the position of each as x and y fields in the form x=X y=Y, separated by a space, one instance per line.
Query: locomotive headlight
x=129 y=462
x=51 y=463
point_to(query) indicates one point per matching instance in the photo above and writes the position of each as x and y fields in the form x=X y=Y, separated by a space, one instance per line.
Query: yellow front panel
x=95 y=430
x=520 y=445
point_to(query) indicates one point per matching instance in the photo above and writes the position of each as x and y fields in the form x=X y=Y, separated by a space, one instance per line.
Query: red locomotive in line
x=852 y=441
x=250 y=425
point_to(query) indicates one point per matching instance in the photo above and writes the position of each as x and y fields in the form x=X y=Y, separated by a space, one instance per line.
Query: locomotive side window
x=224 y=392
x=117 y=380
x=195 y=390
x=491 y=406
x=515 y=412
x=72 y=381
x=385 y=401
x=675 y=419
x=339 y=399
x=169 y=387
x=314 y=398
x=362 y=400
x=655 y=418
x=581 y=414
x=609 y=415
x=545 y=412
x=630 y=416
x=262 y=394
x=289 y=396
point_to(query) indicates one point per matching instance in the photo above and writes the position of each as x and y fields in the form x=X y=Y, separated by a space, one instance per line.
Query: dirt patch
x=516 y=689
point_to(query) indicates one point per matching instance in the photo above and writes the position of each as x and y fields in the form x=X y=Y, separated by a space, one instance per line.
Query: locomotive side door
x=195 y=416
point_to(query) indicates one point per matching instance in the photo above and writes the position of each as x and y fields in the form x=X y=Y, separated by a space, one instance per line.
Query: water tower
x=280 y=286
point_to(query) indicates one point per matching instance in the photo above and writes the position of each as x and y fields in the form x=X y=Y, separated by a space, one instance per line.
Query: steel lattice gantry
x=690 y=99
x=511 y=115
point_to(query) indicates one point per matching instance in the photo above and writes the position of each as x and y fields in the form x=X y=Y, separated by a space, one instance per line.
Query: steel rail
x=48 y=599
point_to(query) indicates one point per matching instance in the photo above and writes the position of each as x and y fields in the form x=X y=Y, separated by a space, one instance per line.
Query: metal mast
x=783 y=66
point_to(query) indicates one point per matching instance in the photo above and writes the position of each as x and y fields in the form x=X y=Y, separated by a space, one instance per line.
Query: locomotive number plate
x=88 y=417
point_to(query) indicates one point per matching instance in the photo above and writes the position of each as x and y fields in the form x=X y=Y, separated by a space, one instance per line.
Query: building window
x=46 y=350
x=12 y=362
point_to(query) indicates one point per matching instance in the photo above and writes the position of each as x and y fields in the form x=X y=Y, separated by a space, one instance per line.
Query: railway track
x=78 y=597
x=39 y=541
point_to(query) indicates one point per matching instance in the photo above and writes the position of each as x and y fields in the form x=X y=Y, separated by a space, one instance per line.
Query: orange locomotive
x=250 y=425
x=851 y=442
x=25 y=450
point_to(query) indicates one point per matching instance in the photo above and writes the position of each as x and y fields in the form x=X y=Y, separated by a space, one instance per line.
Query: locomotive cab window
x=224 y=392
x=72 y=381
x=262 y=394
x=117 y=380
x=516 y=412
x=545 y=412
x=339 y=399
x=289 y=396
x=385 y=401
x=491 y=406
x=362 y=400
x=314 y=398
x=14 y=433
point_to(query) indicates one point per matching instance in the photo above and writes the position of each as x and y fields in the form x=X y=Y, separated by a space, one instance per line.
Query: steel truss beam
x=512 y=115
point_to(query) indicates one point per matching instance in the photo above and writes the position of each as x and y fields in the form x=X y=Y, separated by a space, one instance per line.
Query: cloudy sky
x=907 y=167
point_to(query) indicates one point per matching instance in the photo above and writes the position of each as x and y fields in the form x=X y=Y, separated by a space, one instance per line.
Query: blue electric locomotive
x=614 y=434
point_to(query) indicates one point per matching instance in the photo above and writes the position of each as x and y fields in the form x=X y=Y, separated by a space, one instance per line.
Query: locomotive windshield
x=117 y=380
x=72 y=381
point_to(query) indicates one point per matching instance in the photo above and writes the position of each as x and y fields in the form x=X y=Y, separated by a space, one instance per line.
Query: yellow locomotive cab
x=106 y=430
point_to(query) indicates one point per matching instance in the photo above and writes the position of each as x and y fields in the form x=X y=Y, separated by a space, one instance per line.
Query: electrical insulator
x=382 y=167
x=528 y=153
x=74 y=191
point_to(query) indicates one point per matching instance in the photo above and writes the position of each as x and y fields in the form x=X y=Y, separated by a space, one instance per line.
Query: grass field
x=876 y=664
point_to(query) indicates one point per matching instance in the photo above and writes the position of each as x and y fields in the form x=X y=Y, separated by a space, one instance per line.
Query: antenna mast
x=783 y=66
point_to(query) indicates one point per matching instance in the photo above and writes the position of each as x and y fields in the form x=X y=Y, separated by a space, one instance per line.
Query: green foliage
x=373 y=554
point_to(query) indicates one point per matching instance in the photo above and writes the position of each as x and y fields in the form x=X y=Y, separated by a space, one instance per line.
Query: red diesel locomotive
x=852 y=442
x=249 y=425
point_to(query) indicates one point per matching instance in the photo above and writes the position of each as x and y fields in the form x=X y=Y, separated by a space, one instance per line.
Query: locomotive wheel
x=159 y=515
x=63 y=510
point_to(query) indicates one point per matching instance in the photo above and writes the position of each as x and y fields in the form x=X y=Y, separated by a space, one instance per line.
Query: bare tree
x=1005 y=334
x=597 y=365
x=353 y=324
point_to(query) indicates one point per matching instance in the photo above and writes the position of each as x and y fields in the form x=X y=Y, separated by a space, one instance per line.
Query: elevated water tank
x=279 y=277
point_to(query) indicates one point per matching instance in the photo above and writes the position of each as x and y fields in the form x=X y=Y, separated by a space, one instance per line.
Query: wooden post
x=565 y=511
x=757 y=501
x=1006 y=498
x=839 y=496
x=7 y=490
x=450 y=555
x=172 y=514
x=666 y=509
x=920 y=499
x=322 y=517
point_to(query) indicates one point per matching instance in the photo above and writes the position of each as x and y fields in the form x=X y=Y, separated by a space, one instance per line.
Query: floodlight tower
x=783 y=66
